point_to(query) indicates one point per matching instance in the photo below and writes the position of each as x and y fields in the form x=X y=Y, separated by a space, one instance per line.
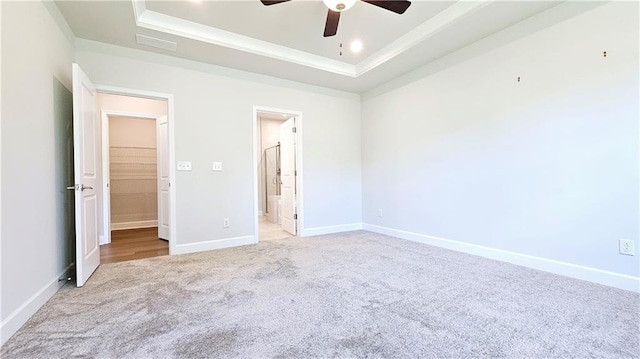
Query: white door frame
x=106 y=175
x=171 y=144
x=299 y=168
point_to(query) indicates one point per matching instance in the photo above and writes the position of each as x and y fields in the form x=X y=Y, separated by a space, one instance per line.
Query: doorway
x=135 y=178
x=277 y=173
x=91 y=228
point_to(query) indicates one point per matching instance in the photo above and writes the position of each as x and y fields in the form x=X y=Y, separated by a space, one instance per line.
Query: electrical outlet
x=627 y=247
x=217 y=166
x=380 y=212
x=225 y=223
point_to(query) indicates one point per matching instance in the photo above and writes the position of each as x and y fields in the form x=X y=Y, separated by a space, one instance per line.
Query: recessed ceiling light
x=196 y=1
x=356 y=46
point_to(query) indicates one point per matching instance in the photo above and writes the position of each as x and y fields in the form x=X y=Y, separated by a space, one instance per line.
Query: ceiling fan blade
x=331 y=27
x=399 y=7
x=272 y=2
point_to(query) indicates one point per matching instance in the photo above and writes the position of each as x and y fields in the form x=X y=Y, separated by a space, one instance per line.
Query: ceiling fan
x=338 y=6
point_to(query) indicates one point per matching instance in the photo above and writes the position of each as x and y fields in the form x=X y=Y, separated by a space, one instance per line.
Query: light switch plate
x=217 y=166
x=184 y=166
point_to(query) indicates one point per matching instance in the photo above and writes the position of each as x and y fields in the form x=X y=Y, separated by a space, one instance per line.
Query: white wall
x=37 y=211
x=132 y=132
x=110 y=102
x=214 y=122
x=547 y=167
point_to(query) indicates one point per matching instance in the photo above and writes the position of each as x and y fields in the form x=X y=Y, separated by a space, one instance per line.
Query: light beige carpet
x=350 y=295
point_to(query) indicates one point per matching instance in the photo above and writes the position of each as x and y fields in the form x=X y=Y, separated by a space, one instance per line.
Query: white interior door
x=85 y=165
x=162 y=133
x=288 y=212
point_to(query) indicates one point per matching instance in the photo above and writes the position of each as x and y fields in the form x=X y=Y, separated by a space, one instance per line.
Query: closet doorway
x=135 y=175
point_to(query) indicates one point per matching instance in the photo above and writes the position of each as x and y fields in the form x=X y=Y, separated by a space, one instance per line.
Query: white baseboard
x=318 y=231
x=215 y=244
x=612 y=279
x=133 y=225
x=20 y=316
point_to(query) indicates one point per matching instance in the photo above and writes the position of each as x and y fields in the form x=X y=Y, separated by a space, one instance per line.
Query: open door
x=85 y=166
x=162 y=133
x=288 y=209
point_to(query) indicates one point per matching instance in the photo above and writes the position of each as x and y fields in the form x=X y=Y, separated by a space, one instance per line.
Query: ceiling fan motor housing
x=339 y=5
x=336 y=7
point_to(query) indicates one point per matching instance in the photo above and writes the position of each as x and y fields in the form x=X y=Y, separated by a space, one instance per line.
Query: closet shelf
x=133 y=183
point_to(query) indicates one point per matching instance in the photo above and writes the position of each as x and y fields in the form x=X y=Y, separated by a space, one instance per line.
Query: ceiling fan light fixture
x=339 y=5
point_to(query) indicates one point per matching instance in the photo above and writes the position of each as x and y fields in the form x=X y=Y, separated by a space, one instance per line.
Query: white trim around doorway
x=172 y=149
x=106 y=175
x=299 y=166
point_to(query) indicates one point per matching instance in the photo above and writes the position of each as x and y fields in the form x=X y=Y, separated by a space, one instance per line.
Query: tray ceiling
x=286 y=41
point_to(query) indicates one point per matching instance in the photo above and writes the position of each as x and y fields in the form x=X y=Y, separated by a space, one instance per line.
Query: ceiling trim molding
x=442 y=20
x=195 y=31
x=89 y=48
x=176 y=26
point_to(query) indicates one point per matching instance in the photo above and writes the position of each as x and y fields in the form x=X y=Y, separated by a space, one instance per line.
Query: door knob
x=71 y=187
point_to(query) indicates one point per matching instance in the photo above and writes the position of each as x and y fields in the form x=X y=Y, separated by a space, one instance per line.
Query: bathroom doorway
x=277 y=175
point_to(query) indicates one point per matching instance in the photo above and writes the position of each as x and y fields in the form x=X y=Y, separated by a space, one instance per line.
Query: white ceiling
x=300 y=24
x=285 y=40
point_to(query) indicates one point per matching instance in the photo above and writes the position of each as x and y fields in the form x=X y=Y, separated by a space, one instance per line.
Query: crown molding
x=87 y=48
x=429 y=28
x=176 y=26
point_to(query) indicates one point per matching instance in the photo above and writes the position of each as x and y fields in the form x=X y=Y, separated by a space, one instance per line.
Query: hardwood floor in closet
x=133 y=244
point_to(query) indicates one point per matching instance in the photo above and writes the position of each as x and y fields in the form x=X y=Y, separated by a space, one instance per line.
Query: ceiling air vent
x=154 y=42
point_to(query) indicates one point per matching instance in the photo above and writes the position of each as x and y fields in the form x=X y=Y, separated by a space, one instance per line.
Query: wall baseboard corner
x=215 y=244
x=318 y=231
x=20 y=316
x=611 y=279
